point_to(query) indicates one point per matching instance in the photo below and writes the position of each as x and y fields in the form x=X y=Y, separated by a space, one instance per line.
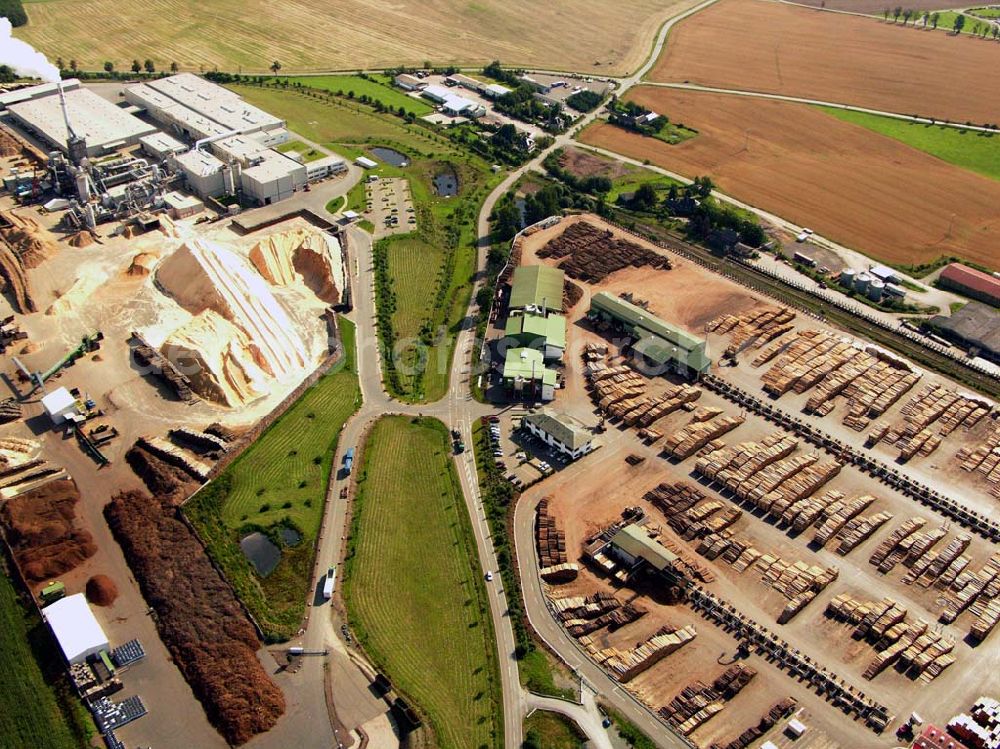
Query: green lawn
x=352 y=129
x=545 y=730
x=37 y=707
x=381 y=88
x=969 y=149
x=674 y=134
x=414 y=265
x=308 y=152
x=413 y=587
x=280 y=480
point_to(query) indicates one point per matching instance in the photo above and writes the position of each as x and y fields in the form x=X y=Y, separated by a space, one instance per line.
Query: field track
x=312 y=35
x=757 y=45
x=841 y=179
x=413 y=589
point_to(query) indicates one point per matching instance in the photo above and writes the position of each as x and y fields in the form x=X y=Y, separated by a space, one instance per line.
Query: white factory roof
x=325 y=162
x=365 y=162
x=237 y=147
x=76 y=629
x=180 y=201
x=883 y=273
x=438 y=93
x=495 y=89
x=93 y=117
x=215 y=102
x=197 y=124
x=33 y=92
x=198 y=162
x=58 y=401
x=162 y=143
x=459 y=103
x=270 y=165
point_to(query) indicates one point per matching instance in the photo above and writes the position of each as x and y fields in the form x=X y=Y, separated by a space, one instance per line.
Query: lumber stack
x=625 y=665
x=752 y=329
x=838 y=517
x=687 y=512
x=10 y=410
x=550 y=540
x=687 y=441
x=984 y=458
x=857 y=530
x=697 y=703
x=933 y=413
x=975 y=590
x=929 y=566
x=890 y=551
x=778 y=711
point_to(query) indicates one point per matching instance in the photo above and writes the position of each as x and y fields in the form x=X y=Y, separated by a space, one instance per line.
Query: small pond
x=261 y=552
x=446 y=184
x=290 y=536
x=390 y=156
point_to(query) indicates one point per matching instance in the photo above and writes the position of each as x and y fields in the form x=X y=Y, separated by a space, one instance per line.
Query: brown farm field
x=307 y=35
x=772 y=47
x=844 y=181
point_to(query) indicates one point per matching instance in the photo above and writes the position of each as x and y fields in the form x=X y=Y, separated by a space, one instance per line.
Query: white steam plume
x=23 y=58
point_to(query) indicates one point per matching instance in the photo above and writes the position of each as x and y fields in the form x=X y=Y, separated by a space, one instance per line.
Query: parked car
x=489 y=576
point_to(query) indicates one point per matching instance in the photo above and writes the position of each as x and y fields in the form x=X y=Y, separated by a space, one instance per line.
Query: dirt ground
x=585 y=164
x=840 y=179
x=583 y=500
x=754 y=45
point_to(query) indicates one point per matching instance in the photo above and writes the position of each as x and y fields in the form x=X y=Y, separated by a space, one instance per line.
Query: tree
x=934 y=19
x=109 y=67
x=897 y=12
x=72 y=65
x=7 y=74
x=506 y=220
x=136 y=66
x=174 y=67
x=959 y=23
x=906 y=16
x=149 y=66
x=975 y=28
x=275 y=67
x=885 y=14
x=59 y=63
x=645 y=197
x=924 y=17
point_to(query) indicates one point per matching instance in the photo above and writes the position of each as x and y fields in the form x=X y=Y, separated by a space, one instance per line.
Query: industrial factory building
x=537 y=288
x=105 y=127
x=560 y=431
x=75 y=627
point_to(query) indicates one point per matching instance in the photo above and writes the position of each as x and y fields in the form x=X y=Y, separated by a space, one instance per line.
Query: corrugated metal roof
x=552 y=328
x=635 y=542
x=972 y=279
x=640 y=318
x=537 y=286
x=562 y=427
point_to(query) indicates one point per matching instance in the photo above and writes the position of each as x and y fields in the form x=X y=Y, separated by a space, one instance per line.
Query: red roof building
x=937 y=738
x=971 y=282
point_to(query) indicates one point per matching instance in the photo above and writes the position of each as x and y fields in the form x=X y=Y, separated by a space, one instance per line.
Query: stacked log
x=625 y=665
x=779 y=711
x=551 y=541
x=10 y=410
x=858 y=530
x=984 y=459
x=687 y=441
x=837 y=519
x=888 y=552
x=933 y=413
x=752 y=329
x=592 y=254
x=697 y=703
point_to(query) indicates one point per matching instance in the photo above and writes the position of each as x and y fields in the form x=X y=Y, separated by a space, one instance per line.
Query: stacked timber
x=176 y=456
x=858 y=530
x=889 y=551
x=550 y=540
x=986 y=620
x=752 y=329
x=799 y=487
x=10 y=410
x=933 y=413
x=687 y=441
x=203 y=443
x=697 y=703
x=930 y=566
x=838 y=518
x=778 y=711
x=984 y=459
x=148 y=357
x=625 y=665
x=969 y=587
x=804 y=513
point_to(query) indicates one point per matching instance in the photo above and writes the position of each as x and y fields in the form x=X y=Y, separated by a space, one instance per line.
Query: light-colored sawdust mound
x=142 y=264
x=33 y=242
x=224 y=365
x=79 y=294
x=313 y=254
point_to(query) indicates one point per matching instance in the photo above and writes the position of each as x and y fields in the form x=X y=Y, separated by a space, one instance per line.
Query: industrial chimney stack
x=76 y=145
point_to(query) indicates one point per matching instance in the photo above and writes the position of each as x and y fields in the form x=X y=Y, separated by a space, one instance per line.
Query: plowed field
x=773 y=47
x=856 y=187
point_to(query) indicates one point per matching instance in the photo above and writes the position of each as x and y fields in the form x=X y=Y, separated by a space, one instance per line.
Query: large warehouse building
x=971 y=282
x=105 y=127
x=975 y=327
x=537 y=287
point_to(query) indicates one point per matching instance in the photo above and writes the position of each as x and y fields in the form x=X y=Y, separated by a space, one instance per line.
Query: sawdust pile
x=199 y=618
x=14 y=280
x=42 y=531
x=142 y=264
x=249 y=338
x=313 y=254
x=101 y=590
x=77 y=296
x=33 y=243
x=82 y=238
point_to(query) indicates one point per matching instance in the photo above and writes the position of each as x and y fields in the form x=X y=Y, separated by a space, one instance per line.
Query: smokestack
x=65 y=111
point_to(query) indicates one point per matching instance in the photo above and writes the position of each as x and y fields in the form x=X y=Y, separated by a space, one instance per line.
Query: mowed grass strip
x=33 y=713
x=969 y=149
x=381 y=88
x=414 y=591
x=280 y=480
x=414 y=267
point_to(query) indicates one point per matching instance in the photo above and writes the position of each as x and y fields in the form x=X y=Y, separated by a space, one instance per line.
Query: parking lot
x=389 y=206
x=522 y=457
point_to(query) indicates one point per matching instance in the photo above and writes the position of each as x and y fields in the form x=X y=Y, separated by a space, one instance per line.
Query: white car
x=489 y=576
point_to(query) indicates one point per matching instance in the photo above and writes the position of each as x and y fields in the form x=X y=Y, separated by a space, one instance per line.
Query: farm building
x=663 y=345
x=633 y=547
x=525 y=375
x=495 y=91
x=980 y=728
x=104 y=126
x=450 y=103
x=933 y=737
x=464 y=81
x=538 y=287
x=77 y=631
x=971 y=282
x=975 y=326
x=546 y=333
x=563 y=432
x=408 y=82
x=884 y=274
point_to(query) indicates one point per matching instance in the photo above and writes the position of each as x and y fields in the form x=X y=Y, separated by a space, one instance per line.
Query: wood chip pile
x=625 y=665
x=591 y=254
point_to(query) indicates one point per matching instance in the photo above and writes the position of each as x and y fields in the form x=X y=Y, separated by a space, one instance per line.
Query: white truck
x=329 y=581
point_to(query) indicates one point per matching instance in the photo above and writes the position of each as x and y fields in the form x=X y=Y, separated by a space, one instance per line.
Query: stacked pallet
x=839 y=516
x=687 y=441
x=859 y=529
x=625 y=665
x=778 y=711
x=697 y=703
x=984 y=459
x=752 y=329
x=891 y=550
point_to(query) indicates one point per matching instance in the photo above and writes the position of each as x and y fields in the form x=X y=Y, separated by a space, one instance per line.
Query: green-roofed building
x=539 y=287
x=662 y=344
x=634 y=547
x=538 y=331
x=525 y=375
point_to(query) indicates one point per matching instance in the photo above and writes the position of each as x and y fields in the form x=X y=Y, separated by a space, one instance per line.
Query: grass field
x=330 y=35
x=414 y=266
x=381 y=88
x=34 y=712
x=308 y=152
x=978 y=152
x=414 y=591
x=449 y=224
x=280 y=480
x=545 y=730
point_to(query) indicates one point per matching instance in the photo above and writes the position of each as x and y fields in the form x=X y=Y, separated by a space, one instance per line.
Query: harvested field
x=42 y=531
x=843 y=180
x=614 y=40
x=752 y=45
x=198 y=617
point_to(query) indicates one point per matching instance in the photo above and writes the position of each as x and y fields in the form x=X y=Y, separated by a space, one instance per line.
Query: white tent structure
x=76 y=629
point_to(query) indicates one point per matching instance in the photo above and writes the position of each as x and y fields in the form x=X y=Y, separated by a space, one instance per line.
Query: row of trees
x=109 y=67
x=979 y=28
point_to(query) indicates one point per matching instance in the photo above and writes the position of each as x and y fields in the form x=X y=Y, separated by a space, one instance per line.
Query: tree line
x=14 y=12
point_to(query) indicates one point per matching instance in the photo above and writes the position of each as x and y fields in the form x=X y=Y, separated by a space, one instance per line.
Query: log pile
x=625 y=665
x=752 y=329
x=891 y=551
x=10 y=410
x=591 y=254
x=925 y=570
x=149 y=358
x=697 y=703
x=984 y=459
x=836 y=518
x=688 y=513
x=687 y=441
x=778 y=711
x=581 y=616
x=859 y=530
x=976 y=591
x=551 y=543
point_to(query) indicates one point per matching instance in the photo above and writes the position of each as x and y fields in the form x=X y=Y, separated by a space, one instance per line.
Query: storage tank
x=861 y=282
x=847 y=277
x=875 y=290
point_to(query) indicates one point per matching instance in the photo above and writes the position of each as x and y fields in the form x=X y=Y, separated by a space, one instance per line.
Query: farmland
x=755 y=45
x=843 y=180
x=280 y=480
x=381 y=88
x=33 y=712
x=414 y=593
x=310 y=35
x=978 y=152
